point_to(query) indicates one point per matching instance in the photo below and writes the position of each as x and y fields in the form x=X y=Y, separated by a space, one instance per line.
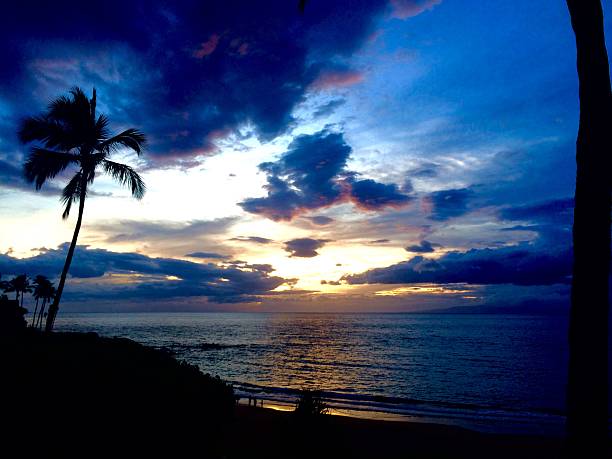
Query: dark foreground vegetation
x=82 y=394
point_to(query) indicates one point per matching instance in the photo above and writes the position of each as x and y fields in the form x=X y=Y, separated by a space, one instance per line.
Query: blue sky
x=392 y=156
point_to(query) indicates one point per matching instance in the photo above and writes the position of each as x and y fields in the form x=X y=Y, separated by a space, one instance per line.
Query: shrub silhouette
x=310 y=404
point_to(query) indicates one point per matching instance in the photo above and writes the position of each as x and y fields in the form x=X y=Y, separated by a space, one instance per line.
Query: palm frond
x=126 y=176
x=43 y=164
x=51 y=132
x=101 y=128
x=130 y=138
x=71 y=193
x=71 y=109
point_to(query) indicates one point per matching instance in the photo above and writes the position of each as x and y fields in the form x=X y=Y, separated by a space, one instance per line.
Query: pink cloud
x=337 y=79
x=244 y=49
x=404 y=9
x=207 y=48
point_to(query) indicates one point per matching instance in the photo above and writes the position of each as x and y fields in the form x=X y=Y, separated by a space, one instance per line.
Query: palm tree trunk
x=587 y=390
x=60 y=288
x=34 y=315
x=41 y=313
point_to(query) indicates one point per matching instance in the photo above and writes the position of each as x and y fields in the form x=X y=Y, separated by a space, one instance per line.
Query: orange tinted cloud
x=207 y=48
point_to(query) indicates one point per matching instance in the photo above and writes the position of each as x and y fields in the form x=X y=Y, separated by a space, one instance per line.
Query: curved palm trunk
x=587 y=390
x=60 y=288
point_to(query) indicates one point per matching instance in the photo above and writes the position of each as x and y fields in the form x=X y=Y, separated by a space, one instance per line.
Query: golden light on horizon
x=420 y=289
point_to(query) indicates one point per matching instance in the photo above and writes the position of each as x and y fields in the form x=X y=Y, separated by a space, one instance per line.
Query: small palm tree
x=47 y=294
x=20 y=285
x=69 y=134
x=40 y=285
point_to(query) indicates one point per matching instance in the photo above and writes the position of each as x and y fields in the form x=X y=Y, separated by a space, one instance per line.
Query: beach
x=261 y=432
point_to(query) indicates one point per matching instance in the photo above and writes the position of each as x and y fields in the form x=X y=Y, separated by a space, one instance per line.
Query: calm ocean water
x=490 y=372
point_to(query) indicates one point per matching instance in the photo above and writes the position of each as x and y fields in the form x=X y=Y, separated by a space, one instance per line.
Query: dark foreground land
x=81 y=394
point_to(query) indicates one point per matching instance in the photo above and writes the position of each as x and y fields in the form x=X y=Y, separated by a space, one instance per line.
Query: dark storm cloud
x=520 y=265
x=203 y=68
x=312 y=175
x=447 y=204
x=558 y=211
x=304 y=247
x=371 y=195
x=422 y=247
x=551 y=220
x=164 y=277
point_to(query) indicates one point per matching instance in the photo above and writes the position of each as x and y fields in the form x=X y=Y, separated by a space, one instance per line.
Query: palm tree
x=47 y=295
x=587 y=390
x=69 y=134
x=40 y=284
x=20 y=285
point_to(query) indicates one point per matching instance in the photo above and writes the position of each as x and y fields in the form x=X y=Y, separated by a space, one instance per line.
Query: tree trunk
x=41 y=313
x=587 y=390
x=60 y=288
x=34 y=315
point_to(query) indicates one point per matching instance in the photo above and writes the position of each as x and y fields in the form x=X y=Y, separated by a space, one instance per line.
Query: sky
x=402 y=155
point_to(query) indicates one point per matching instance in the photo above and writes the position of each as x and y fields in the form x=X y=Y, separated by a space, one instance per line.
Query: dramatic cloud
x=304 y=247
x=204 y=68
x=559 y=211
x=447 y=204
x=371 y=195
x=422 y=247
x=312 y=175
x=520 y=265
x=150 y=277
x=551 y=220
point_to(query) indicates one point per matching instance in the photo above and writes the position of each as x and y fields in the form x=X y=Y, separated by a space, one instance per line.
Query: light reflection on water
x=484 y=368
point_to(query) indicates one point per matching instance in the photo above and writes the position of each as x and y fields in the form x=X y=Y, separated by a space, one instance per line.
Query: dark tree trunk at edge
x=587 y=391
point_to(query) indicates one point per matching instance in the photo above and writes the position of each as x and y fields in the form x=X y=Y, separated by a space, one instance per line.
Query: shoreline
x=498 y=423
x=346 y=436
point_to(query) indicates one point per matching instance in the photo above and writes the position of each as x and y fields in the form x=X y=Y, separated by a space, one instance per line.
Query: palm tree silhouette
x=47 y=294
x=70 y=134
x=41 y=285
x=20 y=285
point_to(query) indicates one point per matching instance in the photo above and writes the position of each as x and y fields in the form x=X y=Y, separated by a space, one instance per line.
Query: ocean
x=494 y=373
